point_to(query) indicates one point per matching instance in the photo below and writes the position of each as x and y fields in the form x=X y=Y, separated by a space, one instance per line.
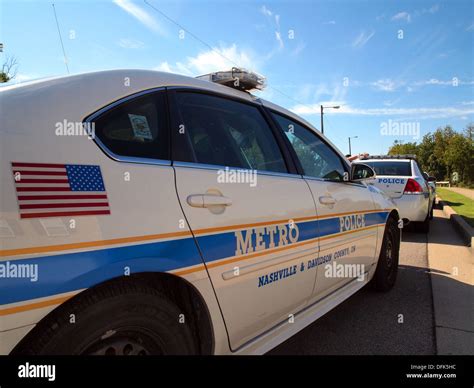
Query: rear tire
x=120 y=318
x=387 y=265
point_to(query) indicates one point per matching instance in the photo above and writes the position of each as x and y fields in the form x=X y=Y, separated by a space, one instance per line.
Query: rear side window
x=136 y=127
x=390 y=168
x=316 y=157
x=223 y=132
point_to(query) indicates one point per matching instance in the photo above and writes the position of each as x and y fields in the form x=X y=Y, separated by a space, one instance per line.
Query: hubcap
x=124 y=343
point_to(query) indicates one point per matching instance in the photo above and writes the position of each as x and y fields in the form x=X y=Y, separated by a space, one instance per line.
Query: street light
x=351 y=137
x=322 y=113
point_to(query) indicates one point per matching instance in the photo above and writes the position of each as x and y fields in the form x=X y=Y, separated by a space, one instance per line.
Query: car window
x=316 y=157
x=136 y=127
x=224 y=132
x=390 y=168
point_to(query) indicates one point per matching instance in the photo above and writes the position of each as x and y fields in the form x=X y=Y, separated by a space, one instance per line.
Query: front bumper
x=413 y=207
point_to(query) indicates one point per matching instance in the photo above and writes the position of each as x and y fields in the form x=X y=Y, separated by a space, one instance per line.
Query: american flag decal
x=59 y=190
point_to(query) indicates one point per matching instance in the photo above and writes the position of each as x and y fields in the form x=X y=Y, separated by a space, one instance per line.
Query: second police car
x=400 y=177
x=151 y=213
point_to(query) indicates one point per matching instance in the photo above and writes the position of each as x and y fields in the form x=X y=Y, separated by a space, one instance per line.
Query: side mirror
x=431 y=179
x=360 y=172
x=426 y=176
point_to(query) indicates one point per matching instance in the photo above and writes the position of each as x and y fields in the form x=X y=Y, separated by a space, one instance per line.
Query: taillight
x=413 y=187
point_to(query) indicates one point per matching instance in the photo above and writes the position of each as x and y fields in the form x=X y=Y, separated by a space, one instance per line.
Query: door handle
x=327 y=200
x=207 y=200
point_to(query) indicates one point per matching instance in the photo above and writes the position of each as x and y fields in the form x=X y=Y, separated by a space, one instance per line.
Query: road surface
x=369 y=322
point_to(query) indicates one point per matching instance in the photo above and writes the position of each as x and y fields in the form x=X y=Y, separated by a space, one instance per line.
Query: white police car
x=400 y=177
x=150 y=213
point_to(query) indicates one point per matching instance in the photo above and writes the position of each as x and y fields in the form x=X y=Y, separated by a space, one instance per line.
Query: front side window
x=317 y=159
x=136 y=127
x=223 y=132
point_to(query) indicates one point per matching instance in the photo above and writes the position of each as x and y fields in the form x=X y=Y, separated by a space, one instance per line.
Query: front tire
x=387 y=265
x=121 y=318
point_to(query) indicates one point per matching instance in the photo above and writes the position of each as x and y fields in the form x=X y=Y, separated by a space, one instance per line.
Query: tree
x=443 y=152
x=403 y=149
x=9 y=69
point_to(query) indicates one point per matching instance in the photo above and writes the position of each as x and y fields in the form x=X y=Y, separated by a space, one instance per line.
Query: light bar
x=237 y=78
x=389 y=157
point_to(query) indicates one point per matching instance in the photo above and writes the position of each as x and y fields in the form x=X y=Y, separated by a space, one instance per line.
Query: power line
x=326 y=121
x=218 y=52
x=60 y=38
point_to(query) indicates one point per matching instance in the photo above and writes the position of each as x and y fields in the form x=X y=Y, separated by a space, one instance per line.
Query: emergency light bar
x=390 y=157
x=237 y=78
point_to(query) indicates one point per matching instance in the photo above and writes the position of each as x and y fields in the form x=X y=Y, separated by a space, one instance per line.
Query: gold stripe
x=90 y=244
x=36 y=305
x=270 y=251
x=124 y=240
x=50 y=302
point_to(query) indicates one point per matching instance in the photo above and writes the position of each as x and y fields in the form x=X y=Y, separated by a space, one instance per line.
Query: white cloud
x=470 y=27
x=402 y=16
x=131 y=43
x=223 y=58
x=266 y=11
x=330 y=22
x=434 y=81
x=362 y=39
x=281 y=45
x=276 y=20
x=141 y=15
x=386 y=85
x=420 y=113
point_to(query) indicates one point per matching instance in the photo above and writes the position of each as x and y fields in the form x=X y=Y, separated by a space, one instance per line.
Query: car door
x=252 y=218
x=346 y=212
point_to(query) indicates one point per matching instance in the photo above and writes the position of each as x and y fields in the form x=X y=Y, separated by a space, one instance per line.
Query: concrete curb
x=464 y=229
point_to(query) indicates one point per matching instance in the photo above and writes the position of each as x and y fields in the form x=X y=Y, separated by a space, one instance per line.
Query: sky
x=397 y=69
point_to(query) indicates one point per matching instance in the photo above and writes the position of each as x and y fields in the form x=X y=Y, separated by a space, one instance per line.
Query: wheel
x=121 y=318
x=423 y=227
x=387 y=266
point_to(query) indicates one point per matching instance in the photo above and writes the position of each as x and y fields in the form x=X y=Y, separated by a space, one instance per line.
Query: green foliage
x=461 y=204
x=443 y=152
x=4 y=77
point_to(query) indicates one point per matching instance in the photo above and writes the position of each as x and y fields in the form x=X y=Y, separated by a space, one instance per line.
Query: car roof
x=105 y=87
x=383 y=160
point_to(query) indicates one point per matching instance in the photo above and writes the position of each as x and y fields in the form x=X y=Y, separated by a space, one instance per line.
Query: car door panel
x=255 y=243
x=345 y=210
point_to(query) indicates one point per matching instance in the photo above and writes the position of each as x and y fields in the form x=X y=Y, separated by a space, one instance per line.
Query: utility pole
x=322 y=113
x=349 y=138
x=322 y=121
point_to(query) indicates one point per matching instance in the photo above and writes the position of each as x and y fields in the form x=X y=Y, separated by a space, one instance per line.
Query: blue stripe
x=72 y=271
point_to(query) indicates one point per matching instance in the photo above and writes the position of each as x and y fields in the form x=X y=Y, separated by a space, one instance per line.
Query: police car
x=150 y=213
x=400 y=177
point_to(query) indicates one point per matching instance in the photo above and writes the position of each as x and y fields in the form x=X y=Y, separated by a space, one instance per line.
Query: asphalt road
x=368 y=322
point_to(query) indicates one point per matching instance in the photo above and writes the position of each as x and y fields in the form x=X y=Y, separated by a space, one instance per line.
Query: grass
x=460 y=204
